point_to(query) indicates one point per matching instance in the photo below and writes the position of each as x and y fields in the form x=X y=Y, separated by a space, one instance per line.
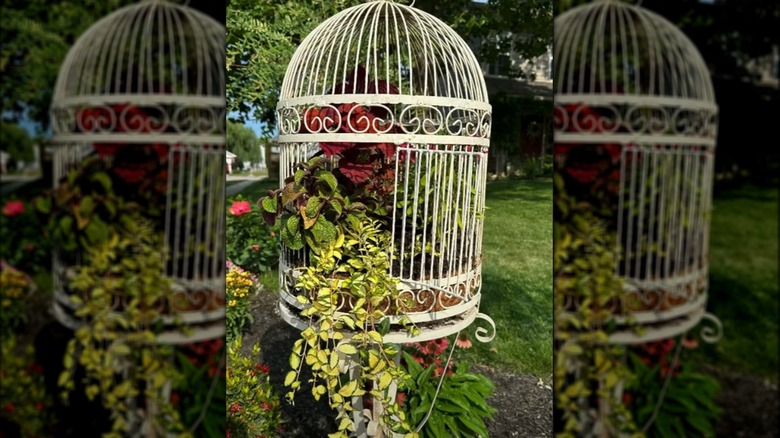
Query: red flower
x=690 y=343
x=263 y=368
x=255 y=247
x=9 y=407
x=240 y=207
x=13 y=208
x=400 y=398
x=463 y=341
x=235 y=407
x=35 y=368
x=175 y=397
x=265 y=406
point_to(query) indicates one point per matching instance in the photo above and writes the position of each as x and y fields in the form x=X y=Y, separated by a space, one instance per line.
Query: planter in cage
x=635 y=133
x=384 y=129
x=138 y=128
x=383 y=116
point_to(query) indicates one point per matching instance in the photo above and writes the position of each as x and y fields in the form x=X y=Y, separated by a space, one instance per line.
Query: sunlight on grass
x=516 y=275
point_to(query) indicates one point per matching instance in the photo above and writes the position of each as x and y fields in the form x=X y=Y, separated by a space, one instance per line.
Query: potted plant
x=654 y=217
x=345 y=291
x=115 y=295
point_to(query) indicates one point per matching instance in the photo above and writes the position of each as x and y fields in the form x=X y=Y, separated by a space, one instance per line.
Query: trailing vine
x=117 y=350
x=347 y=294
x=588 y=370
x=119 y=294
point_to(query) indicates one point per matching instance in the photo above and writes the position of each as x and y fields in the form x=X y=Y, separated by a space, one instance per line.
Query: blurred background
x=739 y=43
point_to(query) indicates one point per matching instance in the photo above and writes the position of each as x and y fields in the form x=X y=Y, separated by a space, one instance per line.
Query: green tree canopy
x=36 y=36
x=242 y=141
x=16 y=142
x=263 y=35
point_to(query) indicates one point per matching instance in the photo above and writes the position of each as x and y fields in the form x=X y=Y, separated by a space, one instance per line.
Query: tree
x=16 y=142
x=36 y=35
x=263 y=35
x=242 y=141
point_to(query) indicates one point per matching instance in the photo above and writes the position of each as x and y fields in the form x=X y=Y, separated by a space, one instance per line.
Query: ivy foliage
x=588 y=369
x=349 y=262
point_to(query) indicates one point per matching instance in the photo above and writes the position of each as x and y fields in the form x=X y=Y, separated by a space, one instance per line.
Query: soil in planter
x=660 y=300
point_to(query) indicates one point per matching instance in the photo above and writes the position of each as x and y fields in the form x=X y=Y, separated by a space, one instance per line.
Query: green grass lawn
x=744 y=281
x=516 y=275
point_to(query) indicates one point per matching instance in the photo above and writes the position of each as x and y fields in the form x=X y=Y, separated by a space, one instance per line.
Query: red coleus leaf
x=583 y=174
x=131 y=173
x=358 y=173
x=331 y=149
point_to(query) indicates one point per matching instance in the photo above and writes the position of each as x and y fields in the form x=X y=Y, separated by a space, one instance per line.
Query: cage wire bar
x=628 y=80
x=387 y=74
x=152 y=75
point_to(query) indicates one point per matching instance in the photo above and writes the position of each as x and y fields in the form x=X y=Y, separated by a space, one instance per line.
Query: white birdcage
x=388 y=76
x=149 y=78
x=631 y=87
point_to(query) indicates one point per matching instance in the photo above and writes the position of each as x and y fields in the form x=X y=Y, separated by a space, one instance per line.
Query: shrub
x=15 y=288
x=253 y=408
x=250 y=244
x=22 y=391
x=687 y=406
x=238 y=286
x=200 y=393
x=461 y=405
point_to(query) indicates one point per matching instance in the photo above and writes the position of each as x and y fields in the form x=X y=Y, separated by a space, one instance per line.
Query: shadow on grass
x=513 y=190
x=747 y=334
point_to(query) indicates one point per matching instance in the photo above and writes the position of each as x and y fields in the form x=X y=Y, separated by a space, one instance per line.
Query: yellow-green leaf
x=289 y=378
x=384 y=380
x=295 y=360
x=347 y=349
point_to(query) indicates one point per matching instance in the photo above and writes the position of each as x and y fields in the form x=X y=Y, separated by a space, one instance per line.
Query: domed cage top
x=396 y=101
x=635 y=109
x=143 y=89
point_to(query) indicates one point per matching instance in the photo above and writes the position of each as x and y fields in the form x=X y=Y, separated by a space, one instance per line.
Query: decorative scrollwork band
x=420 y=119
x=149 y=119
x=653 y=119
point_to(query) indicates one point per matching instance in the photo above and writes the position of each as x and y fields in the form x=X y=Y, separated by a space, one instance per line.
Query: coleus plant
x=366 y=166
x=309 y=207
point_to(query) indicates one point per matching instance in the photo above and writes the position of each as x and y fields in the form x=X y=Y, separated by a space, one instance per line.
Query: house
x=522 y=107
x=230 y=159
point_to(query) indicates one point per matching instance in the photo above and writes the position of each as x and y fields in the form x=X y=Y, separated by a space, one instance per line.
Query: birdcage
x=395 y=101
x=143 y=90
x=636 y=122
